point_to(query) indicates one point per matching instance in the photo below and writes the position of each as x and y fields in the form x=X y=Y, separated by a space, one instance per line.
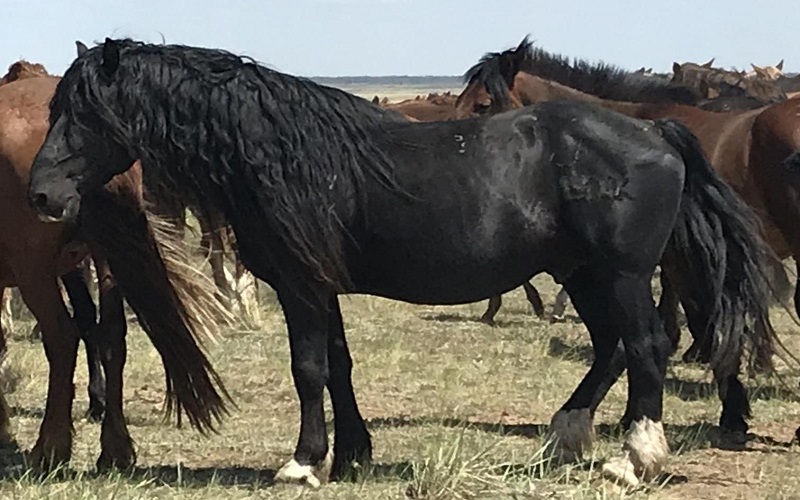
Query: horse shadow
x=681 y=437
x=14 y=466
x=467 y=318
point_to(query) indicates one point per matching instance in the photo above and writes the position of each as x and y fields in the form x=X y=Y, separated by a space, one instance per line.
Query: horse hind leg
x=534 y=298
x=560 y=306
x=632 y=312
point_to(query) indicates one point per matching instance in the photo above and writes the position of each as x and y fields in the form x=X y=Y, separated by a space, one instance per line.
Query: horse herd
x=589 y=173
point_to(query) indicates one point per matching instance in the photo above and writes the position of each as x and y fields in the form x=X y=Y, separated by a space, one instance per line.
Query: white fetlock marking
x=647 y=448
x=644 y=457
x=313 y=476
x=572 y=434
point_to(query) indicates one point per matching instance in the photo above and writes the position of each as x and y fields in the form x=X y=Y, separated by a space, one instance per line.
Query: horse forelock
x=238 y=137
x=495 y=72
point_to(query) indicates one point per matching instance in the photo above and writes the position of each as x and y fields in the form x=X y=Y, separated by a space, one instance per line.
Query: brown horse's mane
x=496 y=71
x=23 y=69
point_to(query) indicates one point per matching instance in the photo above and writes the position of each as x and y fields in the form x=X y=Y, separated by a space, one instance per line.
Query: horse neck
x=530 y=89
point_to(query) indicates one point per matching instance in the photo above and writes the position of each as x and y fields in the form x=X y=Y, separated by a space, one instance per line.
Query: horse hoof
x=48 y=459
x=487 y=321
x=621 y=470
x=107 y=462
x=312 y=476
x=572 y=435
x=94 y=415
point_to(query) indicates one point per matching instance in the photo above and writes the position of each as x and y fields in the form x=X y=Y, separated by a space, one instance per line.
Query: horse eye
x=482 y=107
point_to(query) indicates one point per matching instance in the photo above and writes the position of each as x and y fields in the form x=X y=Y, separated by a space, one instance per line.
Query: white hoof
x=646 y=454
x=571 y=435
x=621 y=470
x=312 y=476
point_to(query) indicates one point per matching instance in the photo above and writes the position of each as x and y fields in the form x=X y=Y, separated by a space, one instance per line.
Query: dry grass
x=456 y=410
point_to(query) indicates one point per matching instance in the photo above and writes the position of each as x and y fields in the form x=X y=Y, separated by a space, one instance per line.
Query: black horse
x=328 y=194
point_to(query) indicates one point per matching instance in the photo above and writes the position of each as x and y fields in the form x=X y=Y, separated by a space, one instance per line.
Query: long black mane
x=495 y=72
x=284 y=149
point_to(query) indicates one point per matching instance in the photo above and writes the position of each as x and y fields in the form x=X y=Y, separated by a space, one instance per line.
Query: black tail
x=719 y=258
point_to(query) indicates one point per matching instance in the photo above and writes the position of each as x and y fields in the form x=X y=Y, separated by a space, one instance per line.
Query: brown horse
x=35 y=254
x=16 y=250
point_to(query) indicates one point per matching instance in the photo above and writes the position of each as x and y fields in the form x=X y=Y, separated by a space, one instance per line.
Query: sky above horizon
x=412 y=37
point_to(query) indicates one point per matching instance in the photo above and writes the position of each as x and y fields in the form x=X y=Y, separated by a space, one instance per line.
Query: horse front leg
x=352 y=442
x=116 y=444
x=41 y=293
x=85 y=317
x=307 y=319
x=6 y=439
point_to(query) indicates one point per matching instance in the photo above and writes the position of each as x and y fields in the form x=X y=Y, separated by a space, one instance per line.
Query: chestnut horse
x=17 y=255
x=757 y=152
x=34 y=253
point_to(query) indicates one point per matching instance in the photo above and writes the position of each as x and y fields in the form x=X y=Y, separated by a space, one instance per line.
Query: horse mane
x=23 y=69
x=237 y=137
x=496 y=71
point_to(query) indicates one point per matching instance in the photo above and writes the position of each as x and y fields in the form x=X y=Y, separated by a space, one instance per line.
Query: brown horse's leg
x=533 y=297
x=211 y=241
x=60 y=336
x=116 y=443
x=6 y=439
x=491 y=310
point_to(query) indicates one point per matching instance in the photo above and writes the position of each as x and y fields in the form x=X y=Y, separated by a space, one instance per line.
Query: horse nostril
x=40 y=200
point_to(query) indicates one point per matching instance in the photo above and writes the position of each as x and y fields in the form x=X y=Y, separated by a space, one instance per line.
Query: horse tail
x=174 y=304
x=719 y=258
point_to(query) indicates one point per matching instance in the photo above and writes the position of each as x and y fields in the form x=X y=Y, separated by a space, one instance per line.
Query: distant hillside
x=392 y=80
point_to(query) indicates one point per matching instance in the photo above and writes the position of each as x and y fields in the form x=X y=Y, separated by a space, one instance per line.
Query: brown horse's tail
x=174 y=303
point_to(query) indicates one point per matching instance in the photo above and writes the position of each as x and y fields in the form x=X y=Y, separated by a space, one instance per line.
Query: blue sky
x=414 y=37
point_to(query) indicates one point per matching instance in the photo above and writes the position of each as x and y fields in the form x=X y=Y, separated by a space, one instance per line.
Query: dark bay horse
x=34 y=254
x=328 y=194
x=759 y=169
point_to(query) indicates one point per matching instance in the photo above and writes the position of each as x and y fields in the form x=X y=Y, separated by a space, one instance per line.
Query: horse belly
x=445 y=273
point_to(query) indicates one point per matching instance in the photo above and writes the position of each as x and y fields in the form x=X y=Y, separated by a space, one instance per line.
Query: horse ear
x=81 y=47
x=780 y=65
x=110 y=56
x=676 y=68
x=709 y=63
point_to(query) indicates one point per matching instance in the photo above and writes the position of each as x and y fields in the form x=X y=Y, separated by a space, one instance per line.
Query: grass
x=457 y=410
